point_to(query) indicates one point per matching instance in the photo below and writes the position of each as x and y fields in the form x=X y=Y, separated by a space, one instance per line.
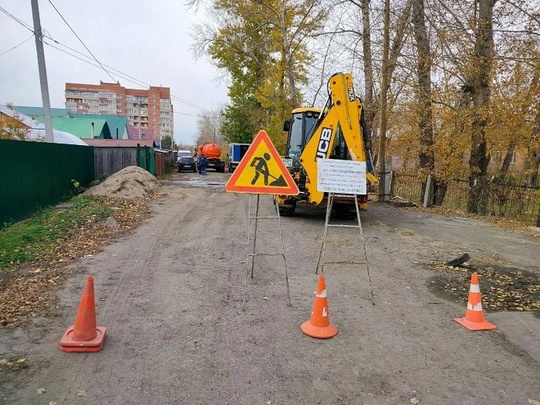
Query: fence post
x=429 y=191
x=384 y=195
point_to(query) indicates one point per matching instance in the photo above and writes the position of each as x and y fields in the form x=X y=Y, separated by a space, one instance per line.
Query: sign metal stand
x=262 y=171
x=252 y=243
x=342 y=177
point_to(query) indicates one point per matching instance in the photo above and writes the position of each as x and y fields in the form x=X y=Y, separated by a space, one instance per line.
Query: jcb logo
x=350 y=91
x=324 y=143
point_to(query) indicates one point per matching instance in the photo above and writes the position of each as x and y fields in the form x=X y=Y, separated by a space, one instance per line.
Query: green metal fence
x=38 y=174
x=146 y=159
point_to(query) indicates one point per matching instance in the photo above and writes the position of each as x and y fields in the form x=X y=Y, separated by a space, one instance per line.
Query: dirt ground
x=187 y=325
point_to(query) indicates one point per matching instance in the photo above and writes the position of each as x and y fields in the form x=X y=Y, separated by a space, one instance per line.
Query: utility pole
x=140 y=120
x=38 y=35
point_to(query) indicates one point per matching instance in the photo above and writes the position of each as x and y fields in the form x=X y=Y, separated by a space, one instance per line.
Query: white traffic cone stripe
x=321 y=295
x=477 y=307
x=474 y=288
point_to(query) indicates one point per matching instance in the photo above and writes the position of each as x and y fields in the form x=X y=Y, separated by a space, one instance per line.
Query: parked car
x=187 y=163
x=182 y=153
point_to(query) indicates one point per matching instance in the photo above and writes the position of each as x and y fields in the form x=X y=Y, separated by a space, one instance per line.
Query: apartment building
x=149 y=111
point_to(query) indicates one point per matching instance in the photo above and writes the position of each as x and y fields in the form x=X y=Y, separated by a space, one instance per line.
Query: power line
x=189 y=103
x=16 y=46
x=123 y=75
x=127 y=78
x=119 y=73
x=80 y=40
x=27 y=26
x=193 y=115
x=186 y=114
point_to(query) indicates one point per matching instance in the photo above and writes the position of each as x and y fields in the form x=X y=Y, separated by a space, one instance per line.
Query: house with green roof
x=117 y=123
x=116 y=128
x=83 y=128
x=36 y=112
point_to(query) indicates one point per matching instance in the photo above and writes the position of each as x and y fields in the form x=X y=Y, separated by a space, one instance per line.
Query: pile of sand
x=131 y=182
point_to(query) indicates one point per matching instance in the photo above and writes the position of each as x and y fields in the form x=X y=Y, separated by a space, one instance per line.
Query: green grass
x=23 y=242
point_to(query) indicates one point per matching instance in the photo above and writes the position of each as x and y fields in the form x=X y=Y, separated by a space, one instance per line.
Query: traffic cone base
x=485 y=325
x=320 y=332
x=319 y=325
x=69 y=344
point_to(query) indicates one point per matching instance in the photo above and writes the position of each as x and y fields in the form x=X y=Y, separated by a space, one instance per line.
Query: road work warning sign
x=261 y=171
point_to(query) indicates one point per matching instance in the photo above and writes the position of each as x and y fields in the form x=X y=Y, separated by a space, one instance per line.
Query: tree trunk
x=532 y=162
x=385 y=84
x=439 y=192
x=389 y=61
x=534 y=167
x=423 y=69
x=370 y=109
x=505 y=167
x=480 y=91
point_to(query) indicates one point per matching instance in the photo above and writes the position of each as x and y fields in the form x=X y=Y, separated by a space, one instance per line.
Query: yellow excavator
x=338 y=131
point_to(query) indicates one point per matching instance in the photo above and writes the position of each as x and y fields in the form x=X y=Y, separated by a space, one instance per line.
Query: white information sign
x=341 y=176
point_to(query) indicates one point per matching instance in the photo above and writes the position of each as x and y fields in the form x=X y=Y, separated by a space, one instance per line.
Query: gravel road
x=187 y=325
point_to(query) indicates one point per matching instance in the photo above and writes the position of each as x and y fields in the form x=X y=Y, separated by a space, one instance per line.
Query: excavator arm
x=340 y=121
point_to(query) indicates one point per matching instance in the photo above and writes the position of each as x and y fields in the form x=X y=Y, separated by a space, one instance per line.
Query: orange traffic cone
x=84 y=336
x=319 y=325
x=474 y=316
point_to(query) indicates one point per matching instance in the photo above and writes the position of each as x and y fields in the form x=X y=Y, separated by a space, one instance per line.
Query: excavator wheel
x=346 y=212
x=286 y=211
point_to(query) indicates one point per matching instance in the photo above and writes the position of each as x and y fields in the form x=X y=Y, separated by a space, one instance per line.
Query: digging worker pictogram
x=260 y=164
x=261 y=167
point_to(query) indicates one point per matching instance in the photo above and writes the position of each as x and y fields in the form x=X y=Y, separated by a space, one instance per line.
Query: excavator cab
x=300 y=127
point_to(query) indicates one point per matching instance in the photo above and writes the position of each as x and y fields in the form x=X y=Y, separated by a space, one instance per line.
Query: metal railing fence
x=512 y=198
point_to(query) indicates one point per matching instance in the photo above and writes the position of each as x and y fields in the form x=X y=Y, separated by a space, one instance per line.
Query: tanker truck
x=212 y=153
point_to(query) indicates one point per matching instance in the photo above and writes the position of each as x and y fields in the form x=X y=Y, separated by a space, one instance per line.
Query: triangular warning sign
x=261 y=171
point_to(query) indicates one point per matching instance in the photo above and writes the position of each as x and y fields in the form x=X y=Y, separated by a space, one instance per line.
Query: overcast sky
x=146 y=40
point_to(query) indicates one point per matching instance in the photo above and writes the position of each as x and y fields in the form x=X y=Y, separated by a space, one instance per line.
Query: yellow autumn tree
x=12 y=127
x=263 y=47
